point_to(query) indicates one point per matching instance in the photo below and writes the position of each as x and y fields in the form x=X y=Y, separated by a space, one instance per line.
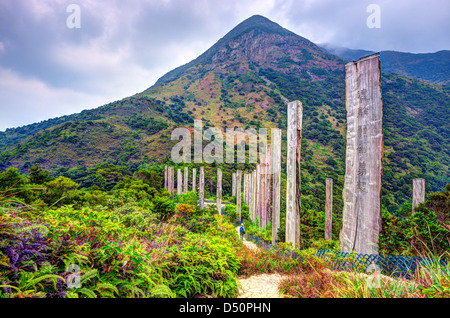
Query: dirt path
x=261 y=285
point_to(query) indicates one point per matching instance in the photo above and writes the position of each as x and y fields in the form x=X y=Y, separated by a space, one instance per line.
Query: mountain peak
x=250 y=33
x=260 y=22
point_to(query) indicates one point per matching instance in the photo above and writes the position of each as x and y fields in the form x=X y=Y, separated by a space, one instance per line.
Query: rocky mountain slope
x=244 y=81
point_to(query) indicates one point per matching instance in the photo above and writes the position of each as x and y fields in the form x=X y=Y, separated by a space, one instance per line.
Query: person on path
x=242 y=231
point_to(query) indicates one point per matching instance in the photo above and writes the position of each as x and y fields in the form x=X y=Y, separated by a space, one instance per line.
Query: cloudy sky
x=122 y=47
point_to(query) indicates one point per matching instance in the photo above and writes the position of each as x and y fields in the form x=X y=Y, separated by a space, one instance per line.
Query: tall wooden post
x=166 y=181
x=179 y=182
x=219 y=191
x=245 y=187
x=201 y=192
x=268 y=186
x=258 y=194
x=194 y=177
x=185 y=180
x=262 y=194
x=293 y=202
x=171 y=185
x=418 y=193
x=233 y=184
x=248 y=188
x=361 y=218
x=276 y=177
x=253 y=197
x=328 y=208
x=298 y=168
x=238 y=194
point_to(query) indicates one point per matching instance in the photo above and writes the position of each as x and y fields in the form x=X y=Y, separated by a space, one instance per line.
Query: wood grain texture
x=238 y=194
x=201 y=189
x=194 y=179
x=185 y=180
x=328 y=208
x=179 y=182
x=219 y=191
x=361 y=221
x=276 y=180
x=171 y=181
x=418 y=192
x=292 y=212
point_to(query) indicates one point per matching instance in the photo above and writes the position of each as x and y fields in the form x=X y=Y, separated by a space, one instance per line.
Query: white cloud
x=123 y=47
x=28 y=100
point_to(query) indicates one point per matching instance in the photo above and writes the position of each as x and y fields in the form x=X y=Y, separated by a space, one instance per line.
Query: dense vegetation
x=125 y=237
x=86 y=189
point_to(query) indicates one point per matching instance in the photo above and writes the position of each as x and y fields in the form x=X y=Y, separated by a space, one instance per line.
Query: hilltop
x=244 y=81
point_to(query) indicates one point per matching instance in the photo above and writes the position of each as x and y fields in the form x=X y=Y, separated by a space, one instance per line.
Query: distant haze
x=122 y=47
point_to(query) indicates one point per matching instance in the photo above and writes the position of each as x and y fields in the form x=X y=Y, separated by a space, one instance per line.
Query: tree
x=37 y=175
x=10 y=179
x=60 y=191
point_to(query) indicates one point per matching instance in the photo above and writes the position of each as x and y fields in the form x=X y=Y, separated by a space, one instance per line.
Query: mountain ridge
x=432 y=67
x=243 y=82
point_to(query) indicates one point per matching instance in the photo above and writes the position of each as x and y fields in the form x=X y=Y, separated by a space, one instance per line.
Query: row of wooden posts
x=361 y=220
x=264 y=204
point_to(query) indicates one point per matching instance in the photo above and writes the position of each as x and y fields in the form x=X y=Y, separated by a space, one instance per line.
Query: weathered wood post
x=418 y=193
x=295 y=113
x=171 y=176
x=179 y=182
x=185 y=180
x=233 y=184
x=328 y=208
x=238 y=194
x=245 y=187
x=249 y=188
x=361 y=218
x=253 y=197
x=166 y=181
x=219 y=191
x=262 y=194
x=194 y=178
x=276 y=177
x=268 y=186
x=201 y=186
x=258 y=194
x=298 y=168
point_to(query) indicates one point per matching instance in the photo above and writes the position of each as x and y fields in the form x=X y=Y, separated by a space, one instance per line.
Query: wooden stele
x=257 y=194
x=268 y=187
x=185 y=184
x=233 y=184
x=238 y=194
x=328 y=208
x=276 y=179
x=171 y=181
x=361 y=218
x=219 y=191
x=418 y=192
x=262 y=191
x=294 y=123
x=201 y=190
x=194 y=178
x=253 y=197
x=179 y=182
x=245 y=187
x=166 y=181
